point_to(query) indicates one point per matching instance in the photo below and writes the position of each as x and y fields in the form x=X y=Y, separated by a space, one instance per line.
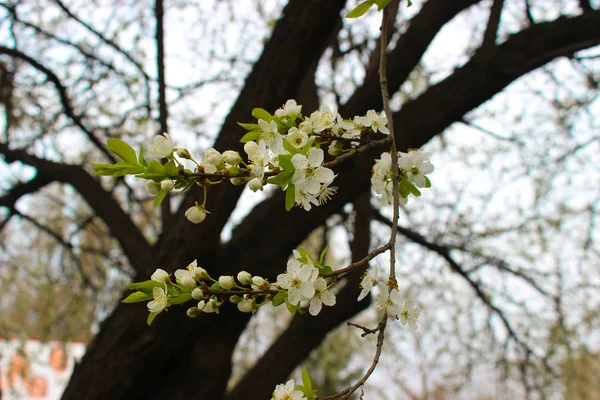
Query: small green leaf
x=306 y=383
x=146 y=286
x=290 y=197
x=279 y=298
x=215 y=286
x=381 y=4
x=250 y=136
x=326 y=270
x=137 y=297
x=285 y=163
x=182 y=298
x=427 y=182
x=260 y=113
x=160 y=197
x=292 y=309
x=360 y=9
x=151 y=317
x=170 y=168
x=409 y=3
x=250 y=127
x=322 y=256
x=141 y=158
x=124 y=151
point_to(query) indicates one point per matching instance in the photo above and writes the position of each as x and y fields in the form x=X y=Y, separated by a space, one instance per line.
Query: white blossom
x=160 y=300
x=298 y=280
x=271 y=136
x=160 y=275
x=287 y=392
x=408 y=314
x=376 y=122
x=289 y=110
x=186 y=278
x=296 y=137
x=416 y=165
x=322 y=119
x=161 y=146
x=388 y=301
x=309 y=174
x=322 y=296
x=367 y=283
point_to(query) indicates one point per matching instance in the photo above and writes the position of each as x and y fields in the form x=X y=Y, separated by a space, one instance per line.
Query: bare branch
x=64 y=97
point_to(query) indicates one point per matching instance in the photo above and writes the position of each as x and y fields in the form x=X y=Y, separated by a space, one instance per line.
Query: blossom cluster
x=390 y=301
x=286 y=149
x=305 y=280
x=413 y=166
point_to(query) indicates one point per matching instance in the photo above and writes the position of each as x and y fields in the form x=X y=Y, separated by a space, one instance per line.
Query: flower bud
x=193 y=312
x=335 y=148
x=258 y=282
x=247 y=305
x=197 y=294
x=235 y=299
x=251 y=148
x=226 y=282
x=200 y=273
x=184 y=153
x=238 y=181
x=206 y=307
x=212 y=157
x=167 y=185
x=160 y=275
x=244 y=278
x=231 y=157
x=152 y=187
x=196 y=214
x=255 y=184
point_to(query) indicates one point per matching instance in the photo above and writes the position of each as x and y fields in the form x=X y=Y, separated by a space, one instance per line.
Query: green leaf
x=322 y=256
x=141 y=158
x=154 y=171
x=215 y=286
x=411 y=187
x=326 y=270
x=409 y=3
x=182 y=298
x=260 y=113
x=137 y=297
x=360 y=9
x=250 y=127
x=304 y=256
x=427 y=182
x=124 y=151
x=250 y=136
x=306 y=383
x=151 y=317
x=381 y=4
x=285 y=163
x=160 y=197
x=290 y=197
x=146 y=286
x=292 y=309
x=170 y=168
x=279 y=298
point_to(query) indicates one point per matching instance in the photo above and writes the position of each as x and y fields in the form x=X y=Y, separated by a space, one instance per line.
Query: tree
x=96 y=84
